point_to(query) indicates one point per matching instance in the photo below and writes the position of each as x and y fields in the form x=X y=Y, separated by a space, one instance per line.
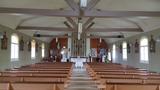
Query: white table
x=78 y=62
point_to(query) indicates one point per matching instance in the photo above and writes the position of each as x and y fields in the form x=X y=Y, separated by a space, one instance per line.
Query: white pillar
x=88 y=45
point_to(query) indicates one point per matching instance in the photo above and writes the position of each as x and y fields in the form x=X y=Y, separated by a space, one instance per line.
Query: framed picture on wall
x=4 y=42
x=29 y=45
x=93 y=52
x=37 y=46
x=128 y=48
x=21 y=44
x=120 y=48
x=152 y=45
x=136 y=46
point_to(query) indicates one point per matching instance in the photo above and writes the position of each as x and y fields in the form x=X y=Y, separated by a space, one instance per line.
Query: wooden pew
x=47 y=76
x=118 y=77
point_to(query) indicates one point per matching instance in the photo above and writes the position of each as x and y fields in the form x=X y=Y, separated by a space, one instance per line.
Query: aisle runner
x=80 y=80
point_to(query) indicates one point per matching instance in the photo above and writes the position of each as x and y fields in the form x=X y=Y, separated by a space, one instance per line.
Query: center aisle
x=80 y=80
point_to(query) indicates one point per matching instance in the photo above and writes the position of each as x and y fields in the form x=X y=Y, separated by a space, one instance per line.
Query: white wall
x=134 y=58
x=24 y=56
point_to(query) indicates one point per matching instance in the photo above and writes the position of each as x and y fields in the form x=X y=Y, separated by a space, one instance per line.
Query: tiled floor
x=80 y=80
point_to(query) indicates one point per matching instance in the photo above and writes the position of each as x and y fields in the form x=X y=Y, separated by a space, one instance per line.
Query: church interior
x=79 y=44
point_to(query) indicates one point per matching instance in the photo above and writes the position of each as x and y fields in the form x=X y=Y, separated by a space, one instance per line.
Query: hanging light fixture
x=83 y=3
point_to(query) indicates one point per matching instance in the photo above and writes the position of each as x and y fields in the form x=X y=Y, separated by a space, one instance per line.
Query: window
x=114 y=52
x=33 y=49
x=43 y=50
x=124 y=51
x=144 y=50
x=14 y=47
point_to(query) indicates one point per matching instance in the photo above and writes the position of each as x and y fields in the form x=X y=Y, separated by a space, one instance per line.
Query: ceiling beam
x=115 y=30
x=53 y=36
x=60 y=29
x=91 y=4
x=88 y=22
x=89 y=26
x=71 y=13
x=41 y=12
x=73 y=5
x=64 y=36
x=57 y=29
x=111 y=36
x=67 y=24
x=104 y=14
x=133 y=23
x=72 y=21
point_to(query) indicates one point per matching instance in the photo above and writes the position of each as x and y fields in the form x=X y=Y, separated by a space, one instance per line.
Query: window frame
x=43 y=50
x=145 y=51
x=124 y=49
x=15 y=47
x=114 y=52
x=33 y=49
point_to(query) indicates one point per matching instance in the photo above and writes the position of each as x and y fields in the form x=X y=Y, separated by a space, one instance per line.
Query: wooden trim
x=115 y=30
x=73 y=5
x=68 y=25
x=63 y=36
x=105 y=14
x=88 y=22
x=71 y=30
x=92 y=4
x=72 y=21
x=43 y=12
x=44 y=28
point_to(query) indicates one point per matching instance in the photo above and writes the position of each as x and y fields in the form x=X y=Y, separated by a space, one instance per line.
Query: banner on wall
x=93 y=52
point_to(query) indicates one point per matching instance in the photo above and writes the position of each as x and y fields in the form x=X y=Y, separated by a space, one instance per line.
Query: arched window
x=33 y=49
x=124 y=51
x=43 y=50
x=144 y=50
x=114 y=52
x=14 y=47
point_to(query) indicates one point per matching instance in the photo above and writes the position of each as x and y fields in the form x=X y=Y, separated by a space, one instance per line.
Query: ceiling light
x=83 y=3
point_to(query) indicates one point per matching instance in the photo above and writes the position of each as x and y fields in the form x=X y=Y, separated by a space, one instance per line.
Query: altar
x=79 y=61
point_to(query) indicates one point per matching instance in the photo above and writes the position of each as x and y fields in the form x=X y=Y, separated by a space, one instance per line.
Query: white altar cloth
x=78 y=62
